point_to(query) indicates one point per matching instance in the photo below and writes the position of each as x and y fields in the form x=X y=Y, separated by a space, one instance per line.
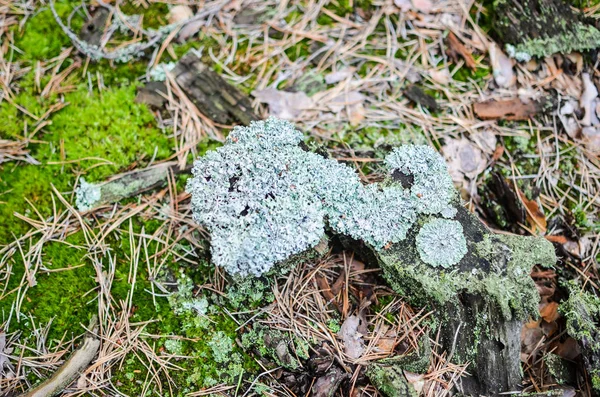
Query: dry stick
x=71 y=369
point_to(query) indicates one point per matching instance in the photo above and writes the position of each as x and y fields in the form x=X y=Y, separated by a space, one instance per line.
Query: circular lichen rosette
x=441 y=242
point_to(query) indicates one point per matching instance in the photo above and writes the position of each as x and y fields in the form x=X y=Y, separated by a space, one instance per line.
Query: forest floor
x=358 y=77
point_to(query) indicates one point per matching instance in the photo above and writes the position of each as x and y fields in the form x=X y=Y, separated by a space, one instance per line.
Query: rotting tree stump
x=540 y=28
x=480 y=304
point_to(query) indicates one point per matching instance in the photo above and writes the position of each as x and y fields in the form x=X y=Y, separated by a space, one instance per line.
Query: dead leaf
x=387 y=343
x=180 y=13
x=283 y=104
x=324 y=288
x=549 y=312
x=417 y=95
x=352 y=102
x=531 y=335
x=464 y=159
x=557 y=239
x=590 y=93
x=424 y=6
x=569 y=349
x=508 y=109
x=353 y=340
x=416 y=380
x=340 y=75
x=457 y=50
x=535 y=216
x=403 y=5
x=440 y=76
x=502 y=67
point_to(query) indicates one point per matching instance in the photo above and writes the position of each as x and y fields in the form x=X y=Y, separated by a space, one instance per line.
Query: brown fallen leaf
x=325 y=289
x=557 y=239
x=535 y=216
x=569 y=349
x=549 y=312
x=457 y=50
x=509 y=109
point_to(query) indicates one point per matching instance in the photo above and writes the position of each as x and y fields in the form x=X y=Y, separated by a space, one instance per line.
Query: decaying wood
x=71 y=369
x=212 y=95
x=473 y=327
x=133 y=183
x=510 y=109
x=457 y=50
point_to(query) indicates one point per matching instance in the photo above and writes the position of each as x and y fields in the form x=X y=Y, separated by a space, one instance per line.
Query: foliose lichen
x=263 y=198
x=441 y=242
x=87 y=195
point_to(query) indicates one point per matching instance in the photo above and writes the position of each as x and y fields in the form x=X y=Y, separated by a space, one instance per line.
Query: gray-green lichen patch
x=263 y=198
x=441 y=242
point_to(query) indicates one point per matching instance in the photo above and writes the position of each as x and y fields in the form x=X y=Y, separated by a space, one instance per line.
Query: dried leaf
x=324 y=288
x=352 y=102
x=424 y=6
x=340 y=75
x=416 y=94
x=352 y=339
x=549 y=312
x=457 y=50
x=502 y=67
x=416 y=380
x=283 y=104
x=569 y=349
x=535 y=216
x=463 y=158
x=589 y=95
x=180 y=13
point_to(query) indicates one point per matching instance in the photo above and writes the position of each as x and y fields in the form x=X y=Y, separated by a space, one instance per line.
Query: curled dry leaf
x=457 y=50
x=180 y=13
x=535 y=216
x=549 y=312
x=502 y=66
x=589 y=95
x=416 y=380
x=283 y=104
x=353 y=340
x=464 y=159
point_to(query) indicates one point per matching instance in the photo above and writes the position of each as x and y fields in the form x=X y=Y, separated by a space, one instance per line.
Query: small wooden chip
x=509 y=109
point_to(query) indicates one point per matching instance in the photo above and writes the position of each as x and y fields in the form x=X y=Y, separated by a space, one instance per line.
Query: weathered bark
x=542 y=27
x=480 y=303
x=214 y=97
x=129 y=184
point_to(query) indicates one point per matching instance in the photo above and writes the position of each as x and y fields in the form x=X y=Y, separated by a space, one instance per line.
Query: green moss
x=390 y=380
x=106 y=128
x=506 y=284
x=41 y=37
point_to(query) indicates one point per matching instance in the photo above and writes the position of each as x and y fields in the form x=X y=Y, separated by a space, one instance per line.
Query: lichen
x=87 y=195
x=263 y=198
x=441 y=242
